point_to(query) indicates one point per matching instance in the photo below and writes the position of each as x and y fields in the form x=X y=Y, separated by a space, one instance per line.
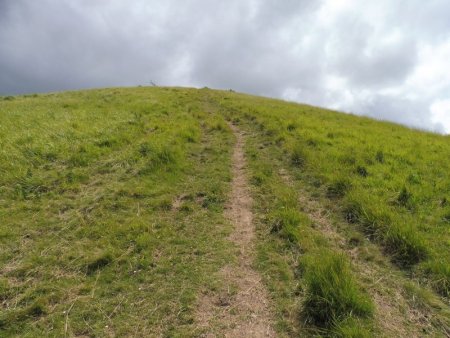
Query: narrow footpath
x=242 y=309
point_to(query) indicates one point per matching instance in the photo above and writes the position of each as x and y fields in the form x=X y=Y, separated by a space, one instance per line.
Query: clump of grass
x=163 y=204
x=158 y=156
x=413 y=179
x=405 y=244
x=145 y=149
x=339 y=188
x=348 y=159
x=446 y=217
x=106 y=143
x=15 y=317
x=285 y=222
x=355 y=239
x=98 y=263
x=219 y=126
x=143 y=241
x=257 y=179
x=191 y=135
x=30 y=186
x=332 y=294
x=211 y=201
x=441 y=272
x=4 y=289
x=312 y=142
x=379 y=156
x=291 y=126
x=82 y=156
x=298 y=156
x=402 y=240
x=351 y=328
x=404 y=197
x=36 y=309
x=271 y=132
x=166 y=155
x=352 y=212
x=362 y=171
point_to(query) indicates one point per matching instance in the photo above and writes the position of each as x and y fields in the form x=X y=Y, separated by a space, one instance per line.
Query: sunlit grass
x=389 y=180
x=111 y=208
x=90 y=243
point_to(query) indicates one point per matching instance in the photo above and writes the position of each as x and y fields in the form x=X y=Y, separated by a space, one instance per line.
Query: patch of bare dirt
x=242 y=309
x=176 y=204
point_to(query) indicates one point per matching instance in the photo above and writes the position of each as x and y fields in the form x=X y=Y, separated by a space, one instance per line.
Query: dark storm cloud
x=53 y=45
x=369 y=57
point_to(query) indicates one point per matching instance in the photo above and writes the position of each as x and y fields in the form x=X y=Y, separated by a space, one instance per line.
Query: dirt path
x=242 y=309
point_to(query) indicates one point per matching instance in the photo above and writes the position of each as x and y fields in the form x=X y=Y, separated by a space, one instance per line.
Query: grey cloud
x=400 y=110
x=264 y=47
x=4 y=8
x=251 y=56
x=357 y=54
x=53 y=46
x=272 y=14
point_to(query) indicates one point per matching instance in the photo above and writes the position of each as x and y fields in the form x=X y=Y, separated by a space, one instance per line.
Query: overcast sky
x=382 y=58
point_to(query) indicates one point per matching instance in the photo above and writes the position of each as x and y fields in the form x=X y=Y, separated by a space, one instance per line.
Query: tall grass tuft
x=441 y=273
x=339 y=188
x=405 y=243
x=298 y=156
x=332 y=293
x=351 y=328
x=158 y=156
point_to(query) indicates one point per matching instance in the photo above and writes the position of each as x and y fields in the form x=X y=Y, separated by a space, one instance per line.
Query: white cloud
x=432 y=73
x=440 y=114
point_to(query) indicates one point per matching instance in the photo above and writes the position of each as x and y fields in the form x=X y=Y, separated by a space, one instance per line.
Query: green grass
x=389 y=180
x=90 y=242
x=291 y=241
x=111 y=208
x=332 y=293
x=315 y=289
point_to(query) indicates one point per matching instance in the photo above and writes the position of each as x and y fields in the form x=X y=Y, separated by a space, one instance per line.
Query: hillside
x=185 y=212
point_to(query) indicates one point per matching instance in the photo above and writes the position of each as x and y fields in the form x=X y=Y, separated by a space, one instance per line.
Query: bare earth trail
x=242 y=310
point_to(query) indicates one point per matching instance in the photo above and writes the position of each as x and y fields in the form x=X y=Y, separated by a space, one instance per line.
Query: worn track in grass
x=241 y=309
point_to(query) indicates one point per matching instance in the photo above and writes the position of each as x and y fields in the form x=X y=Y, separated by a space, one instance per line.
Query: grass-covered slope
x=111 y=214
x=392 y=181
x=111 y=211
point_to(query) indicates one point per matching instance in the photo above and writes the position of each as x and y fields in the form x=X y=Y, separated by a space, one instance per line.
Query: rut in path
x=242 y=310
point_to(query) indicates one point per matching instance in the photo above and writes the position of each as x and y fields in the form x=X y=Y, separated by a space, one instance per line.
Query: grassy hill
x=112 y=214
